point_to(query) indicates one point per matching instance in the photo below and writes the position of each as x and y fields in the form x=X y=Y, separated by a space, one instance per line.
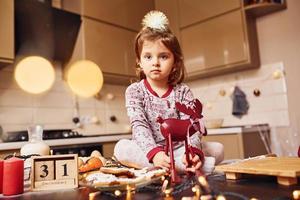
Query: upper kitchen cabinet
x=124 y=13
x=261 y=8
x=225 y=43
x=111 y=48
x=216 y=37
x=107 y=34
x=7 y=52
x=193 y=11
x=221 y=44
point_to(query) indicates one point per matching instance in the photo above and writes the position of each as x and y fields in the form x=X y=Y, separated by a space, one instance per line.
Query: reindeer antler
x=184 y=109
x=194 y=112
x=198 y=108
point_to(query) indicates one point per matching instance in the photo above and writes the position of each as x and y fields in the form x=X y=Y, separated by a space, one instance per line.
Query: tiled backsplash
x=270 y=107
x=56 y=108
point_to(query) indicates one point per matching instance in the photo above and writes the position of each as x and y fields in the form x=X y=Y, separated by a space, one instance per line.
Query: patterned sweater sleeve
x=141 y=131
x=187 y=99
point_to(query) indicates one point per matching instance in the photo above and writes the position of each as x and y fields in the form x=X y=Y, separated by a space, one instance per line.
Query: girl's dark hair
x=170 y=41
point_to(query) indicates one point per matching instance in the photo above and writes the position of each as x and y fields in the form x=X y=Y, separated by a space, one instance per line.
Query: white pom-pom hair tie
x=156 y=20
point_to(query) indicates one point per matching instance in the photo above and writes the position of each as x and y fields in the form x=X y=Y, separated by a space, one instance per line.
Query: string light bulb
x=196 y=190
x=117 y=193
x=168 y=192
x=206 y=197
x=92 y=195
x=129 y=192
x=296 y=194
x=202 y=180
x=220 y=197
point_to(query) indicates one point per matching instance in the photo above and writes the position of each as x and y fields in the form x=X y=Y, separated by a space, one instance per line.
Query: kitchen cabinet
x=124 y=13
x=107 y=35
x=7 y=52
x=219 y=37
x=111 y=48
x=239 y=145
x=215 y=37
x=233 y=148
x=224 y=43
x=264 y=8
x=108 y=149
x=193 y=11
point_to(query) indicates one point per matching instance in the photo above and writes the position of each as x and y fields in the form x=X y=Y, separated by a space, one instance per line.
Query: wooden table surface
x=259 y=187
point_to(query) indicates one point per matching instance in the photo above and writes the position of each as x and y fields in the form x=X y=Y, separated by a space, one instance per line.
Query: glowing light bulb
x=220 y=197
x=202 y=180
x=296 y=194
x=34 y=74
x=85 y=78
x=117 y=193
x=196 y=190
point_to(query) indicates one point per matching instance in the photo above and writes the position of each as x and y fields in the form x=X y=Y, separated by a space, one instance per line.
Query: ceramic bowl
x=214 y=123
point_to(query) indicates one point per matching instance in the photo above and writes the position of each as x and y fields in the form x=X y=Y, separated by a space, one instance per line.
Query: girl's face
x=156 y=61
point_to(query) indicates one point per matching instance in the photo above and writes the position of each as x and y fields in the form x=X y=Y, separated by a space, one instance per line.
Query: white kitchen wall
x=278 y=38
x=56 y=108
x=270 y=107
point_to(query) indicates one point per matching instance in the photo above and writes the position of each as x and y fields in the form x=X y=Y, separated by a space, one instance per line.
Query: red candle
x=1 y=175
x=13 y=176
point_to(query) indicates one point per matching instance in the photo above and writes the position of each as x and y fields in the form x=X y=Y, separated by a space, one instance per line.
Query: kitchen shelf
x=261 y=9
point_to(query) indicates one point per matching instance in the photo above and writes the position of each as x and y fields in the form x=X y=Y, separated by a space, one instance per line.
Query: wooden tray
x=286 y=169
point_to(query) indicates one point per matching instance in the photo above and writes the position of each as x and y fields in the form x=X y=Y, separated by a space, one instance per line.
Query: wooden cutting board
x=286 y=169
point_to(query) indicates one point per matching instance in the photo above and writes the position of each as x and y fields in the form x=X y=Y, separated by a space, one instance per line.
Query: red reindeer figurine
x=180 y=130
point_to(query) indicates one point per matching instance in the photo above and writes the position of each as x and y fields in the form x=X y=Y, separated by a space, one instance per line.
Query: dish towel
x=240 y=104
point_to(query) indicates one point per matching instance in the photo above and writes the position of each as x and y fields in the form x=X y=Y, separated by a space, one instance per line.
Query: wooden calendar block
x=44 y=170
x=54 y=172
x=65 y=169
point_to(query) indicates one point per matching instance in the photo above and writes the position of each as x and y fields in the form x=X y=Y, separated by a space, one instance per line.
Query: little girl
x=161 y=70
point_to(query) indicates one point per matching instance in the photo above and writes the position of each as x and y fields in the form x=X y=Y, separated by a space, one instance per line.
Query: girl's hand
x=196 y=163
x=161 y=160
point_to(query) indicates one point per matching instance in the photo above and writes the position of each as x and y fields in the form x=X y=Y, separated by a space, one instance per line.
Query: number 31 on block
x=54 y=172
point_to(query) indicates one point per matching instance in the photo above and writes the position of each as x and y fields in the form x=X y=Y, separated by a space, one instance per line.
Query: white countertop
x=116 y=137
x=70 y=141
x=224 y=130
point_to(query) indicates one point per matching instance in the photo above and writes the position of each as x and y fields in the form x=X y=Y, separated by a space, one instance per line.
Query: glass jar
x=35 y=144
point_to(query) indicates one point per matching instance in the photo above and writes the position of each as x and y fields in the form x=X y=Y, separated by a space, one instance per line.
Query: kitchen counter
x=265 y=188
x=229 y=130
x=70 y=141
x=116 y=137
x=238 y=129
